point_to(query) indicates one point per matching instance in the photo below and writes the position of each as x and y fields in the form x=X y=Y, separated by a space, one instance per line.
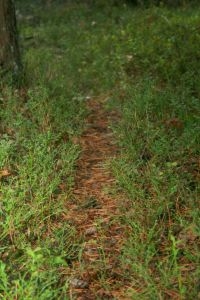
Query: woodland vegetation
x=143 y=59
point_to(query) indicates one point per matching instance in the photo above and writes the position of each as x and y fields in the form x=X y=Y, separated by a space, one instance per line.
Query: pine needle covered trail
x=95 y=212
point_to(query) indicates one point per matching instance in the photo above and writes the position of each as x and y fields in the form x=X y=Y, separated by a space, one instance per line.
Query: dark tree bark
x=9 y=49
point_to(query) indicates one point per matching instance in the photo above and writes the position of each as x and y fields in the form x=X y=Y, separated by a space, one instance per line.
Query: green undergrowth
x=159 y=137
x=37 y=160
x=159 y=170
x=148 y=61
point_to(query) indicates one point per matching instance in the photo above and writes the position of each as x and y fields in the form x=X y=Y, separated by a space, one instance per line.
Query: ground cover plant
x=146 y=62
x=37 y=155
x=159 y=164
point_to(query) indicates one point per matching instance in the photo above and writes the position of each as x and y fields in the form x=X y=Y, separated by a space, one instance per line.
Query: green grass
x=38 y=123
x=149 y=61
x=159 y=163
x=158 y=169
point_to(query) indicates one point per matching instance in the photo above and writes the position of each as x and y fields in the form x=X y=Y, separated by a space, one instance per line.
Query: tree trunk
x=9 y=49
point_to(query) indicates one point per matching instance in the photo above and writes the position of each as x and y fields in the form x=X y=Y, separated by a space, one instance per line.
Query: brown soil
x=95 y=213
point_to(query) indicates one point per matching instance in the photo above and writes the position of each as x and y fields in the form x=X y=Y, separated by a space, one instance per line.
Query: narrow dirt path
x=95 y=213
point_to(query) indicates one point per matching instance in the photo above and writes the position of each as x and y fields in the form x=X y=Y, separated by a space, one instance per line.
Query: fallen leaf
x=4 y=173
x=79 y=283
x=90 y=231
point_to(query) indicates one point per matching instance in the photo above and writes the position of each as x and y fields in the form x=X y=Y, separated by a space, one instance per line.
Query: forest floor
x=96 y=215
x=99 y=195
